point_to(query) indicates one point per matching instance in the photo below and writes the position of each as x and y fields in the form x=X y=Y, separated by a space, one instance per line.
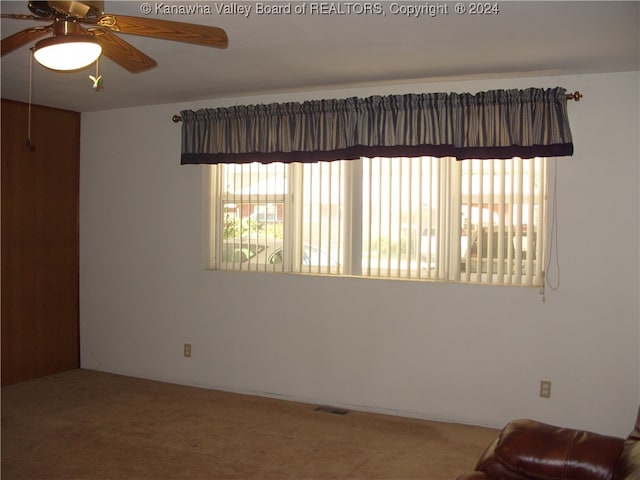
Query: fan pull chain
x=97 y=80
x=30 y=144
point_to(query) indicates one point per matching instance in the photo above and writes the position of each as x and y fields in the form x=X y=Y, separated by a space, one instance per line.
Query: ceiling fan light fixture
x=67 y=52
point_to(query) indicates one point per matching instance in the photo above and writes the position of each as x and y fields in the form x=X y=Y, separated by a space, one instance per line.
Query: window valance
x=493 y=124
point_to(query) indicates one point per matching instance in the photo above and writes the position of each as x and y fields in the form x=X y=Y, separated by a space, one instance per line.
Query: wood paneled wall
x=40 y=245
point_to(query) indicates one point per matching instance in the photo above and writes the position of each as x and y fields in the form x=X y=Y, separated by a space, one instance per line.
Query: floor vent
x=332 y=410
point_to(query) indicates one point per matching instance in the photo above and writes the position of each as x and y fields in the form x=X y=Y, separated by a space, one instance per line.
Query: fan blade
x=23 y=37
x=167 y=30
x=121 y=52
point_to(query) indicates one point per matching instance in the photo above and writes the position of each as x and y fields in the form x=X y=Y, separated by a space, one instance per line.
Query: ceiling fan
x=82 y=26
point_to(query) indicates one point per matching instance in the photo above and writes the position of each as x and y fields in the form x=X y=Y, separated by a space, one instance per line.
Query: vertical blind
x=419 y=218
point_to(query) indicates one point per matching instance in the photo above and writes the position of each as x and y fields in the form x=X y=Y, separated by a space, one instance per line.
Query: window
x=423 y=218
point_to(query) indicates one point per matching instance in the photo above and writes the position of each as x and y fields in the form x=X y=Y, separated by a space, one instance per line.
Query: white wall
x=461 y=353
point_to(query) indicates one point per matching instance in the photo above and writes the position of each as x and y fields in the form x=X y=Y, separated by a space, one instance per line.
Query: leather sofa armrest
x=493 y=468
x=538 y=450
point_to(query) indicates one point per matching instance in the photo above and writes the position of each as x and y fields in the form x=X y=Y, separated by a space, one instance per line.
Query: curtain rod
x=570 y=96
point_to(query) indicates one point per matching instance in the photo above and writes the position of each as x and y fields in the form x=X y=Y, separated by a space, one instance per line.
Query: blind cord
x=553 y=255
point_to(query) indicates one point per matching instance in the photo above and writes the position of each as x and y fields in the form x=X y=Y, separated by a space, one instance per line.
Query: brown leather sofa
x=526 y=449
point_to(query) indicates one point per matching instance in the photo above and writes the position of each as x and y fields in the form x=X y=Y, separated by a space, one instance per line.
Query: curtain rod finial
x=575 y=96
x=176 y=118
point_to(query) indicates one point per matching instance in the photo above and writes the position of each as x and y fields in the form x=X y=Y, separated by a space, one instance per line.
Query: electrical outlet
x=545 y=389
x=187 y=350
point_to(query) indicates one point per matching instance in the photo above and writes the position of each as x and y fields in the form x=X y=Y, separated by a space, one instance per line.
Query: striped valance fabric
x=494 y=124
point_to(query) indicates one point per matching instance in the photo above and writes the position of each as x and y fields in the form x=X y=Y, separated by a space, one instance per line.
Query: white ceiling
x=271 y=53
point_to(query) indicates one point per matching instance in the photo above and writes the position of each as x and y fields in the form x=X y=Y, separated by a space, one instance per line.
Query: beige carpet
x=84 y=424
